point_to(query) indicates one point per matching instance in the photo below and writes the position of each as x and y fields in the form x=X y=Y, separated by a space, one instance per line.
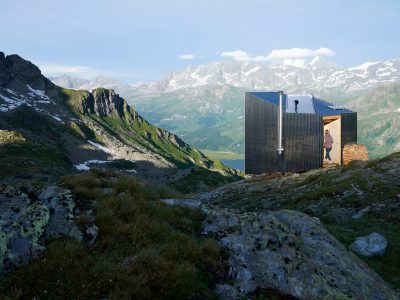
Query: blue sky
x=143 y=40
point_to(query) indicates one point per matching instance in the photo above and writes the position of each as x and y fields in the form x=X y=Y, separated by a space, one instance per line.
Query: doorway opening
x=333 y=124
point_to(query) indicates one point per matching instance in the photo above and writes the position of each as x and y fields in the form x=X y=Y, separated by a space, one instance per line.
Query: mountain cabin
x=285 y=132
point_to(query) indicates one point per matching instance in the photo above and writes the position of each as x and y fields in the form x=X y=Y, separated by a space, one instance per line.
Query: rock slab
x=27 y=222
x=370 y=245
x=292 y=253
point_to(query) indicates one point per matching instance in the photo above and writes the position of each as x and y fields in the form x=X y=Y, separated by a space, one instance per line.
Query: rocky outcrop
x=370 y=245
x=16 y=73
x=292 y=253
x=288 y=252
x=106 y=102
x=174 y=139
x=103 y=102
x=27 y=222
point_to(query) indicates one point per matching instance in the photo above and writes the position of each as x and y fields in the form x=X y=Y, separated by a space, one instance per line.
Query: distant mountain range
x=292 y=75
x=204 y=104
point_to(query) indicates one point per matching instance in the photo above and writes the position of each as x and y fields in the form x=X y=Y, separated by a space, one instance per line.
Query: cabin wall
x=349 y=129
x=302 y=141
x=261 y=136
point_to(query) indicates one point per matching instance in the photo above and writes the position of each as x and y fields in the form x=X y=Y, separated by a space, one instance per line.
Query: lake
x=234 y=163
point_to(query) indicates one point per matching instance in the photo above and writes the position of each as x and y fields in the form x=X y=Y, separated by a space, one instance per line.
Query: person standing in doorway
x=328 y=146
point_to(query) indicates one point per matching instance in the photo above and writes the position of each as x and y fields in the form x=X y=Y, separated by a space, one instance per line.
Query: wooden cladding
x=302 y=137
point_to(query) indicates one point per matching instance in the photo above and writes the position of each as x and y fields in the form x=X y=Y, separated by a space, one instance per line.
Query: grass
x=387 y=224
x=21 y=157
x=201 y=179
x=145 y=249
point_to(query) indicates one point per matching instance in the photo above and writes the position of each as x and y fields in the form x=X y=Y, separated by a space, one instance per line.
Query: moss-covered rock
x=28 y=222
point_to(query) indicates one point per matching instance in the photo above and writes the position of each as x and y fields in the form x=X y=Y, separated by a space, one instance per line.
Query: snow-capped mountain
x=317 y=76
x=76 y=83
x=292 y=75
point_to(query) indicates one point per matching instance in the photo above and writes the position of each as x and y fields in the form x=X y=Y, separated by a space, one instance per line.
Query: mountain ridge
x=91 y=128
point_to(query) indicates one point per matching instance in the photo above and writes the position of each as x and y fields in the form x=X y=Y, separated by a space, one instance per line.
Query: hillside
x=81 y=129
x=379 y=119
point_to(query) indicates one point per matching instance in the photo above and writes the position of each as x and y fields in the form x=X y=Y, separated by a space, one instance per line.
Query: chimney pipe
x=296 y=102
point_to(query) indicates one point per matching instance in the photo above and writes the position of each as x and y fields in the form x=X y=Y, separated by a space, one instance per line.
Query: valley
x=204 y=104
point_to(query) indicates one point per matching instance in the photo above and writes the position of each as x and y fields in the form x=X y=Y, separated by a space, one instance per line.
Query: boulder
x=370 y=245
x=226 y=291
x=27 y=222
x=292 y=253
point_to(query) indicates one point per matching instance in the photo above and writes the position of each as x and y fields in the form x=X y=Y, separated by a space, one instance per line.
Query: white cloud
x=187 y=56
x=278 y=54
x=237 y=54
x=298 y=53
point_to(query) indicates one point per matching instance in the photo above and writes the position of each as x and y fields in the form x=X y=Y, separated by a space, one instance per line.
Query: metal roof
x=307 y=103
x=324 y=108
x=304 y=106
x=272 y=97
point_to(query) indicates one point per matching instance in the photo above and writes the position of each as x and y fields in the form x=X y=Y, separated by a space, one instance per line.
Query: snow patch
x=56 y=118
x=85 y=165
x=39 y=93
x=102 y=148
x=253 y=70
x=11 y=103
x=298 y=63
x=364 y=67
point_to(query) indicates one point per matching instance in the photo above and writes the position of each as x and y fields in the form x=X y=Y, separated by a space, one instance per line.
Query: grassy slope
x=145 y=249
x=134 y=129
x=334 y=196
x=33 y=146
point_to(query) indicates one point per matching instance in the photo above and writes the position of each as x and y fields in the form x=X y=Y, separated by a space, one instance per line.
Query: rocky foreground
x=325 y=234
x=275 y=232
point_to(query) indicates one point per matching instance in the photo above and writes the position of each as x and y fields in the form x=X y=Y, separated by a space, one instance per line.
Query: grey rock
x=182 y=202
x=26 y=224
x=370 y=245
x=91 y=233
x=48 y=192
x=61 y=206
x=361 y=213
x=294 y=254
x=16 y=72
x=226 y=292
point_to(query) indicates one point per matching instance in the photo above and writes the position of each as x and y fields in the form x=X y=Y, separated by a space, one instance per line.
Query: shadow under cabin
x=285 y=132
